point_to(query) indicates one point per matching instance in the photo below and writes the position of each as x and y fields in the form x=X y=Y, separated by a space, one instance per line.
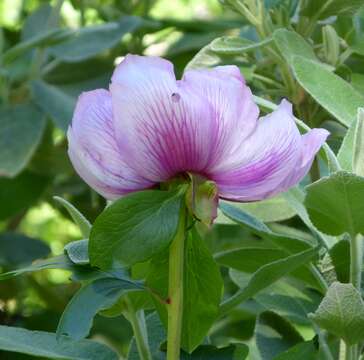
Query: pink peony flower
x=150 y=127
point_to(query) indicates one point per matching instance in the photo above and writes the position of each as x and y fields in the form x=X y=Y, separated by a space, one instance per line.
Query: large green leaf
x=76 y=320
x=324 y=87
x=269 y=210
x=250 y=260
x=44 y=344
x=267 y=275
x=336 y=203
x=135 y=227
x=21 y=129
x=202 y=289
x=54 y=102
x=92 y=40
x=290 y=44
x=239 y=216
x=341 y=312
x=274 y=335
x=17 y=249
x=15 y=195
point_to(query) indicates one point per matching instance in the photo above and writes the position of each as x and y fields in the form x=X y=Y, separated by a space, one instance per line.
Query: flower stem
x=175 y=290
x=137 y=321
x=356 y=258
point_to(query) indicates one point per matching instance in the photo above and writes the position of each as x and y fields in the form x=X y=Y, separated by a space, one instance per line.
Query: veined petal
x=93 y=149
x=311 y=144
x=234 y=109
x=274 y=158
x=163 y=126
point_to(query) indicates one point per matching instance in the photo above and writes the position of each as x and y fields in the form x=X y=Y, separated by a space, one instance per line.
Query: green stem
x=175 y=290
x=137 y=321
x=356 y=259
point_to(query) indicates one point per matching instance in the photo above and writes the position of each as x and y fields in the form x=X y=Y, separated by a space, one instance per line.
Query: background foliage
x=277 y=257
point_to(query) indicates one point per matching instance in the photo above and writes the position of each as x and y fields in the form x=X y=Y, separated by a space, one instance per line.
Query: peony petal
x=163 y=126
x=235 y=111
x=274 y=158
x=311 y=142
x=93 y=149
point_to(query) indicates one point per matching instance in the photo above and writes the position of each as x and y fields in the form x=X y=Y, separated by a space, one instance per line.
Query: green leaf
x=236 y=214
x=345 y=154
x=324 y=87
x=269 y=210
x=274 y=335
x=351 y=150
x=58 y=262
x=44 y=344
x=336 y=203
x=250 y=260
x=79 y=273
x=15 y=195
x=202 y=289
x=209 y=352
x=76 y=215
x=36 y=22
x=341 y=313
x=358 y=147
x=234 y=45
x=21 y=130
x=296 y=197
x=302 y=351
x=76 y=320
x=322 y=9
x=134 y=228
x=77 y=251
x=357 y=80
x=290 y=44
x=220 y=51
x=54 y=102
x=44 y=39
x=267 y=275
x=289 y=302
x=92 y=40
x=17 y=249
x=340 y=257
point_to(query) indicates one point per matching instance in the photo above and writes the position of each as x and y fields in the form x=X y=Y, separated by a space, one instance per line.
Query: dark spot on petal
x=176 y=97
